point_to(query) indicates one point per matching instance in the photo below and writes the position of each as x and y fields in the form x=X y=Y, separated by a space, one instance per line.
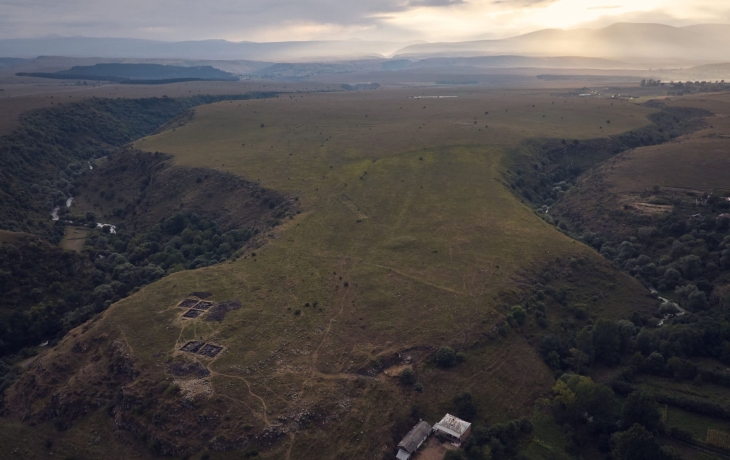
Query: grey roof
x=403 y=455
x=415 y=437
x=452 y=425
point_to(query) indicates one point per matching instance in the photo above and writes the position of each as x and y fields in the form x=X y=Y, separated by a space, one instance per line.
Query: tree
x=627 y=331
x=553 y=360
x=564 y=396
x=692 y=298
x=584 y=340
x=518 y=313
x=637 y=443
x=599 y=402
x=641 y=408
x=407 y=377
x=465 y=408
x=607 y=341
x=455 y=455
x=654 y=364
x=446 y=357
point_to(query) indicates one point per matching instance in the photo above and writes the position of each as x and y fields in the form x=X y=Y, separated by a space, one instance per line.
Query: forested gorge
x=49 y=291
x=683 y=255
x=42 y=158
x=46 y=290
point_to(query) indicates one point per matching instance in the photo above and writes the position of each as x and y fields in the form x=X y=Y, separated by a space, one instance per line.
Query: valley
x=343 y=237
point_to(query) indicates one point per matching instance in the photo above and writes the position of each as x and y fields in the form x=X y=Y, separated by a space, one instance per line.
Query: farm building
x=413 y=440
x=452 y=429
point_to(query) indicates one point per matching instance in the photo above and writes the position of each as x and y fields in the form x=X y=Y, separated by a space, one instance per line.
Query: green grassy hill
x=407 y=241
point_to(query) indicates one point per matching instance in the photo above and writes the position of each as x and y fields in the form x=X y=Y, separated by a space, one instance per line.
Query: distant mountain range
x=11 y=62
x=129 y=73
x=622 y=41
x=206 y=49
x=619 y=41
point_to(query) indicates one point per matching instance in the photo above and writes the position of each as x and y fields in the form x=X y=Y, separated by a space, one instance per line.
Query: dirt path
x=315 y=353
x=419 y=280
x=248 y=385
x=313 y=371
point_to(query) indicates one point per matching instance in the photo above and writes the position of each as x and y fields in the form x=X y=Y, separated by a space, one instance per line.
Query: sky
x=387 y=20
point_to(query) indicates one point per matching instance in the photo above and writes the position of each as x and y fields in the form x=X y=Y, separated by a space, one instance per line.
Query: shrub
x=446 y=357
x=407 y=377
x=518 y=313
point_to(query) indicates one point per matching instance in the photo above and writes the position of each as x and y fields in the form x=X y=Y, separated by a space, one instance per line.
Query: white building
x=452 y=429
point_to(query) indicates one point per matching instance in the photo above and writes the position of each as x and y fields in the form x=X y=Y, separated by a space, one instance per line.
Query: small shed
x=452 y=429
x=413 y=440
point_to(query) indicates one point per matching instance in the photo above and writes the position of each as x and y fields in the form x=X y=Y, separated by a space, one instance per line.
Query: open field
x=21 y=94
x=408 y=241
x=74 y=238
x=699 y=161
x=654 y=181
x=696 y=424
x=13 y=237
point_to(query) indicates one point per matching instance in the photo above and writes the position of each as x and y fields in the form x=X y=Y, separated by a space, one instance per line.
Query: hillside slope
x=398 y=251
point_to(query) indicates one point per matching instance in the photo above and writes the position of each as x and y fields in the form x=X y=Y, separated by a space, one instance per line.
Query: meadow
x=408 y=240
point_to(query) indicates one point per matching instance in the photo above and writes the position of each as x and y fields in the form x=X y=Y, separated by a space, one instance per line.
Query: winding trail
x=315 y=353
x=313 y=371
x=248 y=385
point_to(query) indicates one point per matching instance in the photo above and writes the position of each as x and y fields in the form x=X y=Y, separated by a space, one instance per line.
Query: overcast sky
x=282 y=20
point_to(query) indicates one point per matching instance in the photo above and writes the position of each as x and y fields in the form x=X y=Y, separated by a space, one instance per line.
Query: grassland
x=407 y=241
x=74 y=239
x=649 y=180
x=696 y=424
x=21 y=94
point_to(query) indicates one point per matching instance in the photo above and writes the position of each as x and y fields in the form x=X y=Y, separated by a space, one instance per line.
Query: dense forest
x=40 y=161
x=683 y=256
x=47 y=291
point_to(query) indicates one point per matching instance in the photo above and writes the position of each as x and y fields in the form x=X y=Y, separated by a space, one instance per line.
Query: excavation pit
x=204 y=305
x=210 y=350
x=218 y=312
x=192 y=346
x=192 y=313
x=188 y=303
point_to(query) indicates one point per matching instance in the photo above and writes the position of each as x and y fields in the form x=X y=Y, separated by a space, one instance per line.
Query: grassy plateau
x=407 y=241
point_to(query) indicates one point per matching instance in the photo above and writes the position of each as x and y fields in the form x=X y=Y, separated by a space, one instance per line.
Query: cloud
x=279 y=20
x=434 y=3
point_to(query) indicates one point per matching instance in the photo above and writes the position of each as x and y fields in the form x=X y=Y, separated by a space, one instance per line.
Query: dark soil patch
x=188 y=303
x=210 y=350
x=192 y=346
x=185 y=369
x=201 y=294
x=218 y=313
x=204 y=305
x=192 y=313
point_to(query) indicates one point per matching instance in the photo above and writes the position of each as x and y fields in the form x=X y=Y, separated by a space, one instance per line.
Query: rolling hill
x=654 y=42
x=408 y=240
x=204 y=49
x=618 y=41
x=126 y=72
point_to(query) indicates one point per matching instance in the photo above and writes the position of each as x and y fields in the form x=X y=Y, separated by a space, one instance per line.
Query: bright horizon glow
x=381 y=20
x=458 y=23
